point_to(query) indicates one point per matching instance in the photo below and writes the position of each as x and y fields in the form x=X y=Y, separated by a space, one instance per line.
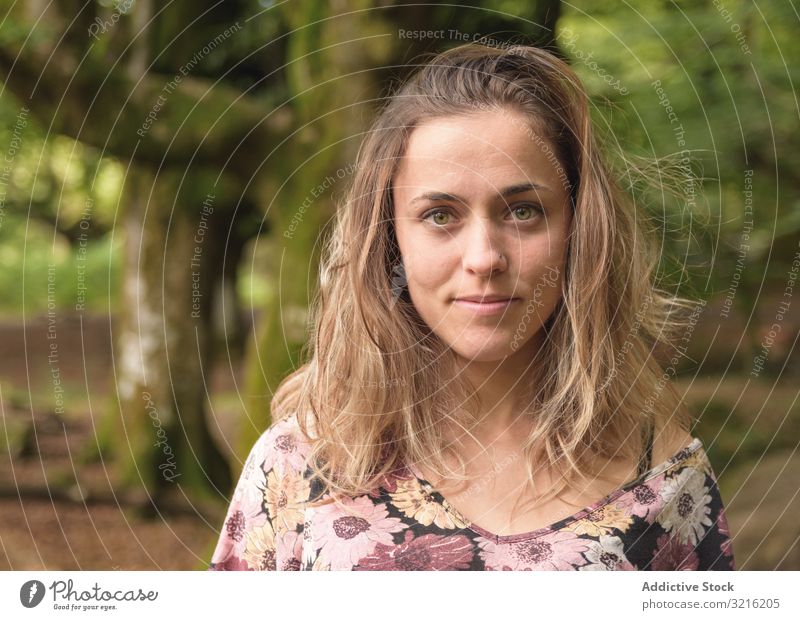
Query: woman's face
x=481 y=208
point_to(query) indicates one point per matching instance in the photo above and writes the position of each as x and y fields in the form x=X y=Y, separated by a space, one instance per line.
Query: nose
x=482 y=251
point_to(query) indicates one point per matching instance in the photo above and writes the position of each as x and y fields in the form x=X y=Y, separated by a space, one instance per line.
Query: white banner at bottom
x=390 y=595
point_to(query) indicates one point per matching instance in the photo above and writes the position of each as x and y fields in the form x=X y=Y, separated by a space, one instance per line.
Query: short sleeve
x=263 y=526
x=247 y=540
x=695 y=533
x=715 y=547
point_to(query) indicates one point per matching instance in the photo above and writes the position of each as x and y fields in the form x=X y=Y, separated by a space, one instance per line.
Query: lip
x=485 y=298
x=491 y=305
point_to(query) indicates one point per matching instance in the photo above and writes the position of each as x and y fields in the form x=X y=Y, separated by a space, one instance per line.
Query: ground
x=57 y=512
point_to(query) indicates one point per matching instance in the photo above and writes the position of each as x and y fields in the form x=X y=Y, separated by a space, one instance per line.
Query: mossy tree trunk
x=163 y=338
x=333 y=74
x=100 y=90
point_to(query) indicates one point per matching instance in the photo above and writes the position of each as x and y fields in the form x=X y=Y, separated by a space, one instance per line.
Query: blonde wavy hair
x=376 y=391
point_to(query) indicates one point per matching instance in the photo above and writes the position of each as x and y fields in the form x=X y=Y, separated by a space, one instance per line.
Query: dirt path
x=44 y=521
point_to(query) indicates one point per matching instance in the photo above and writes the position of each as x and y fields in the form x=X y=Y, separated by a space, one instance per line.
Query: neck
x=501 y=388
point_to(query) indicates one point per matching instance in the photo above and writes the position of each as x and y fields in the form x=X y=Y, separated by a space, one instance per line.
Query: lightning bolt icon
x=32 y=593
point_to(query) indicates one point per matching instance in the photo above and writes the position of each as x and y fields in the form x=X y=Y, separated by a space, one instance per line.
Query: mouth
x=483 y=306
x=485 y=298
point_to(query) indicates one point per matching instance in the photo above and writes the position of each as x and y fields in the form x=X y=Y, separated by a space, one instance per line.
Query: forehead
x=490 y=148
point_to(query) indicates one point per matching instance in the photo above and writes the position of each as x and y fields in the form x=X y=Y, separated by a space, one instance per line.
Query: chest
x=499 y=500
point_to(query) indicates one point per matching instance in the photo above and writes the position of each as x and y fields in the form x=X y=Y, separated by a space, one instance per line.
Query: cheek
x=542 y=271
x=427 y=272
x=428 y=265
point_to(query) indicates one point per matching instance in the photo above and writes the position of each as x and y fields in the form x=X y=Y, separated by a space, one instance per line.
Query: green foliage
x=49 y=188
x=29 y=249
x=726 y=74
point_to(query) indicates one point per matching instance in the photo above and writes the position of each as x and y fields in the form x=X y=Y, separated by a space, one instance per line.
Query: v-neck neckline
x=556 y=526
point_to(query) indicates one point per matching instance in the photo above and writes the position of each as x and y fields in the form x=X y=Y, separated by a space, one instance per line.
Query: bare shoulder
x=668 y=440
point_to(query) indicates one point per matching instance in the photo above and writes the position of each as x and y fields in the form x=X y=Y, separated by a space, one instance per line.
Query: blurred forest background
x=169 y=169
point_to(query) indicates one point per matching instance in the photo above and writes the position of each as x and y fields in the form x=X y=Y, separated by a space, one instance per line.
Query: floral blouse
x=670 y=518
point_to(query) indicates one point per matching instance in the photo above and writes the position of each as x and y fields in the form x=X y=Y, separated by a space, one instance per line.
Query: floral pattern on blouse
x=670 y=518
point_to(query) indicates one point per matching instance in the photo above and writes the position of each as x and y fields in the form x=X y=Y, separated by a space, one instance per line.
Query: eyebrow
x=505 y=193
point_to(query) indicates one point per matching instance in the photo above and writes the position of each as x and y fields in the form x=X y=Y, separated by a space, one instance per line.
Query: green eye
x=440 y=218
x=524 y=212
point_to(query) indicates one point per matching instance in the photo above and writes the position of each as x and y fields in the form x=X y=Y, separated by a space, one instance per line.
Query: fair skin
x=482 y=209
x=451 y=247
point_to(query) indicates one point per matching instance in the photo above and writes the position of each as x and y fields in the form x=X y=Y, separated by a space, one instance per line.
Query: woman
x=481 y=391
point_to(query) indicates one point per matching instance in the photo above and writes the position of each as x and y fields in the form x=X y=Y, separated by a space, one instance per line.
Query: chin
x=485 y=352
